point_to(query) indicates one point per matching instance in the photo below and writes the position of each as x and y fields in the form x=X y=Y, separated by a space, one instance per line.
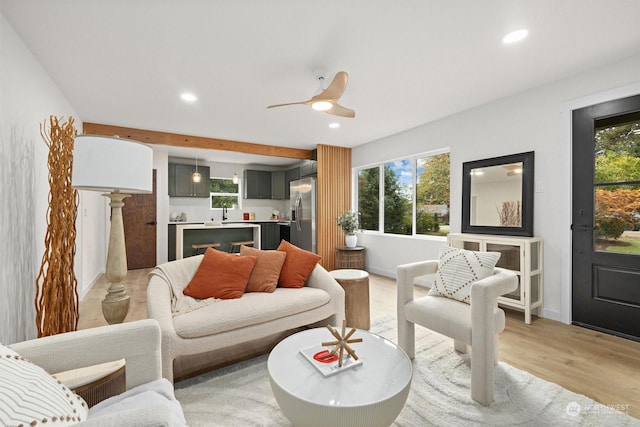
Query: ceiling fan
x=327 y=99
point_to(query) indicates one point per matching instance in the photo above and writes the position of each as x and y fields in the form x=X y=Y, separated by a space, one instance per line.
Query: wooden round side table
x=356 y=296
x=347 y=257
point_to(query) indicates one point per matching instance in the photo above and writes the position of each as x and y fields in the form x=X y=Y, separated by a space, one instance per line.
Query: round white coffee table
x=372 y=394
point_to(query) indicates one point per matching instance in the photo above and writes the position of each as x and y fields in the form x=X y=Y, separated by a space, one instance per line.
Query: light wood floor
x=602 y=367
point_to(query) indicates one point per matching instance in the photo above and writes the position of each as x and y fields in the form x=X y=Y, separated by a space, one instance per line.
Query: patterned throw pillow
x=458 y=269
x=30 y=396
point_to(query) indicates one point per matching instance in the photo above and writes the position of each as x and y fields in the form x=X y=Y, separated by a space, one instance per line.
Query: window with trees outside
x=224 y=193
x=617 y=187
x=407 y=196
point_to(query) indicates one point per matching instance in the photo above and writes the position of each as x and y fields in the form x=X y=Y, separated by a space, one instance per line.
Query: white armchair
x=476 y=325
x=149 y=399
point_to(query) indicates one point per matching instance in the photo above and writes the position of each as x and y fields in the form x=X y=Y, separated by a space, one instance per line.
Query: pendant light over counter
x=235 y=173
x=196 y=177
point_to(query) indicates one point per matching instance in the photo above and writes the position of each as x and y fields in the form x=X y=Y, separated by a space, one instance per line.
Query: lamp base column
x=115 y=304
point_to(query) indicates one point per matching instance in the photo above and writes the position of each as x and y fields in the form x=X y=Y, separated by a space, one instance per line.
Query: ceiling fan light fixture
x=321 y=105
x=515 y=36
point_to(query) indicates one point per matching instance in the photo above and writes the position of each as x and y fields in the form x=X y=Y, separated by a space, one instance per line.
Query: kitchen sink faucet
x=224 y=212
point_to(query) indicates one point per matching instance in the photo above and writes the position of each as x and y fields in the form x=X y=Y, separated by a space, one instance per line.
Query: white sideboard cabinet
x=523 y=255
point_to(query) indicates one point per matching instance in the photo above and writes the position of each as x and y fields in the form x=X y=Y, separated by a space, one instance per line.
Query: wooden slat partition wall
x=334 y=197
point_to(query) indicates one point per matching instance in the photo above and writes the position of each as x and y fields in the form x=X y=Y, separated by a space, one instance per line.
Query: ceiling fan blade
x=290 y=103
x=339 y=110
x=335 y=89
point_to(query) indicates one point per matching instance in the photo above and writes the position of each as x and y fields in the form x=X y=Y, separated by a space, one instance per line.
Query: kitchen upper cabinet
x=269 y=185
x=257 y=184
x=182 y=185
x=290 y=175
x=308 y=168
x=277 y=185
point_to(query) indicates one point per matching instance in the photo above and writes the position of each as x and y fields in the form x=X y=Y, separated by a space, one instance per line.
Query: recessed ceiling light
x=188 y=97
x=334 y=125
x=515 y=36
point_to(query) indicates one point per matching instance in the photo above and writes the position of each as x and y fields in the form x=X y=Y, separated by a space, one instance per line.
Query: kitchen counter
x=233 y=221
x=254 y=221
x=185 y=234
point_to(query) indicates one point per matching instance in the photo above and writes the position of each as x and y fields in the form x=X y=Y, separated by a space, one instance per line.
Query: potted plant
x=349 y=222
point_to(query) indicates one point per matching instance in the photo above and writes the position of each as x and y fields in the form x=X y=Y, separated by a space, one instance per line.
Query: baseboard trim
x=381 y=272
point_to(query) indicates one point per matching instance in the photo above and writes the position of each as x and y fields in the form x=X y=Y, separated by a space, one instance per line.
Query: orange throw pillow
x=264 y=277
x=297 y=267
x=220 y=275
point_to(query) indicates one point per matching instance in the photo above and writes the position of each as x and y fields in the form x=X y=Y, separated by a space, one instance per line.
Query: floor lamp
x=118 y=167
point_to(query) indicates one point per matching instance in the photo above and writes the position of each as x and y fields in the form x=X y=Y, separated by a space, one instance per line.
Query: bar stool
x=235 y=246
x=204 y=246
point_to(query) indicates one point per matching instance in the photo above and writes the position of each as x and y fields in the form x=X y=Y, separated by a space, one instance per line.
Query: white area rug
x=240 y=395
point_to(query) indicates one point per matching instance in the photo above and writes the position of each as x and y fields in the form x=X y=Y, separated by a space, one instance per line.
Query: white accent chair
x=149 y=399
x=476 y=325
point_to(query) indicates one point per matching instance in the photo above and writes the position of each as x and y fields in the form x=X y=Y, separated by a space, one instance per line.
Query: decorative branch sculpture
x=56 y=285
x=510 y=214
x=342 y=342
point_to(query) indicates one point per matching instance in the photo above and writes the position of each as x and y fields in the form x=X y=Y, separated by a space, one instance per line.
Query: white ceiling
x=409 y=62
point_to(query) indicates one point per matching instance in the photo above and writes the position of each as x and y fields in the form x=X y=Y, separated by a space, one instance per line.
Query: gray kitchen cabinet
x=290 y=175
x=182 y=185
x=269 y=235
x=308 y=168
x=257 y=184
x=277 y=185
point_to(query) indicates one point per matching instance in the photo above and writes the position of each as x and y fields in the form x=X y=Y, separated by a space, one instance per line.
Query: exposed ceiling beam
x=190 y=141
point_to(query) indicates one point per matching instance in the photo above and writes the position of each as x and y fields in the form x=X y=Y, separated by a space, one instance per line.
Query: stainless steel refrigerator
x=303 y=214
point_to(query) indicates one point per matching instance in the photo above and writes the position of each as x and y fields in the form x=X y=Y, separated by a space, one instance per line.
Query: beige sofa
x=206 y=325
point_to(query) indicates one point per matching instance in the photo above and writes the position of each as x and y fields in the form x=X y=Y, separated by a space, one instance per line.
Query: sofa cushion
x=31 y=396
x=253 y=308
x=297 y=267
x=220 y=275
x=458 y=269
x=264 y=276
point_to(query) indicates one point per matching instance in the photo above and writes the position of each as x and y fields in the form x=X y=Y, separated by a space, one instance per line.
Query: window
x=224 y=193
x=433 y=189
x=398 y=197
x=369 y=198
x=407 y=196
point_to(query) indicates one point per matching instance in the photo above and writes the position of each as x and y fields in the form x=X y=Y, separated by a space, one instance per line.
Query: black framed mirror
x=497 y=195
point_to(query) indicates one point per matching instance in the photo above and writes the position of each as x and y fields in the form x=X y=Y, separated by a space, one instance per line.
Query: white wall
x=536 y=120
x=28 y=98
x=160 y=161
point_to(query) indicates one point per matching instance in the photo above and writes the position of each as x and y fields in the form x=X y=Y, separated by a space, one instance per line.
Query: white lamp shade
x=108 y=164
